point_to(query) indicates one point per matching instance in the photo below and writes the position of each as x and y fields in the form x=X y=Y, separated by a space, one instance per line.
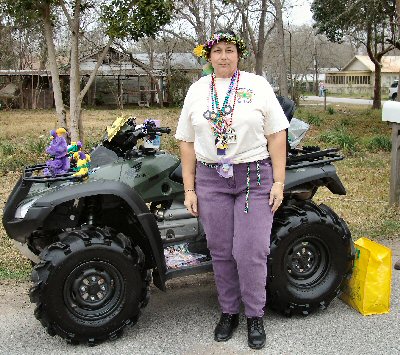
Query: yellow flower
x=198 y=51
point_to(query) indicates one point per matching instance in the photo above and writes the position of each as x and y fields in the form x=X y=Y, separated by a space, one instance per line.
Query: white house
x=358 y=76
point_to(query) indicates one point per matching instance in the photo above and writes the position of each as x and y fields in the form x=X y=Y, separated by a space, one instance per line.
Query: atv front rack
x=308 y=156
x=30 y=170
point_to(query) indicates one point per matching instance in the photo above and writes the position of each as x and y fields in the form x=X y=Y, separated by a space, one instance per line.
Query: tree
x=283 y=87
x=120 y=19
x=370 y=22
x=300 y=47
x=254 y=22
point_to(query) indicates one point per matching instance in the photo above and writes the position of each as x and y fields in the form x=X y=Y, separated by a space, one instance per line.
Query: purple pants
x=238 y=241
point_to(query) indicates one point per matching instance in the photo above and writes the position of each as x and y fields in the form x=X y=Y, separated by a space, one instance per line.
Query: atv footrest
x=205 y=266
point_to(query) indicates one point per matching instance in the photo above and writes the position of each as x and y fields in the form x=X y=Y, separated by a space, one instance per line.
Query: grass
x=359 y=131
x=340 y=138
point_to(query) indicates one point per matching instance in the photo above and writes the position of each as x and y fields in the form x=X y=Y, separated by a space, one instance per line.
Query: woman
x=232 y=181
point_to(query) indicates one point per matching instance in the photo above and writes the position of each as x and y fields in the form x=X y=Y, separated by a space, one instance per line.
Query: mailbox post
x=325 y=91
x=391 y=113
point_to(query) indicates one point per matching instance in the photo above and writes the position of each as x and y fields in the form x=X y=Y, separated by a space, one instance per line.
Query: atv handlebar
x=158 y=130
x=128 y=135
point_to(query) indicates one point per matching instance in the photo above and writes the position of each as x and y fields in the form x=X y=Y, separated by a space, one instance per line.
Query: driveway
x=181 y=321
x=345 y=100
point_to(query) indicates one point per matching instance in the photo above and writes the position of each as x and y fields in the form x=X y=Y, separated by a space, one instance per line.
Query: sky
x=300 y=13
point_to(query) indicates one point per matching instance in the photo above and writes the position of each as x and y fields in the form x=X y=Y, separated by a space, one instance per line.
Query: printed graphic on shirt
x=244 y=95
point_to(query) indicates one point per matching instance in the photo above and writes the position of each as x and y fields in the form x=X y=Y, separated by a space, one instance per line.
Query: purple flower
x=225 y=168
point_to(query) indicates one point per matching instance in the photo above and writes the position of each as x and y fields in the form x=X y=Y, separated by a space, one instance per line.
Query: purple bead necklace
x=221 y=118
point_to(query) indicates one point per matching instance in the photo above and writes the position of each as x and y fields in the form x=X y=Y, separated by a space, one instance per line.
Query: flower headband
x=203 y=50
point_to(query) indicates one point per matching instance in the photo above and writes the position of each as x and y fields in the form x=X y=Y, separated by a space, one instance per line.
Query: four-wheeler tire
x=89 y=285
x=311 y=254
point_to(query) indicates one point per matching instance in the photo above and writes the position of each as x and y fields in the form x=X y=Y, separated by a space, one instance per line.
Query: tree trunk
x=376 y=59
x=74 y=76
x=376 y=104
x=261 y=39
x=55 y=75
x=212 y=16
x=281 y=47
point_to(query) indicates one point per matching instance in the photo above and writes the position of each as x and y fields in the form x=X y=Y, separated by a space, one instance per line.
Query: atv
x=98 y=241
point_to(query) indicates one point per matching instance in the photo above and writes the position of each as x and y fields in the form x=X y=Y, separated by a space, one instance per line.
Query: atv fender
x=21 y=229
x=326 y=174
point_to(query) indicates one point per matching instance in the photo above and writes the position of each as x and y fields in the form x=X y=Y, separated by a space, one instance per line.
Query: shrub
x=6 y=148
x=313 y=119
x=380 y=142
x=39 y=145
x=346 y=122
x=331 y=110
x=341 y=139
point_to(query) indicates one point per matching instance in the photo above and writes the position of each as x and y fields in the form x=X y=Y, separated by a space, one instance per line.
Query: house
x=358 y=76
x=26 y=88
x=118 y=80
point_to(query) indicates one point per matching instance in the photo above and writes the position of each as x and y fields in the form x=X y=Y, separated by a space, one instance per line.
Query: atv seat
x=288 y=106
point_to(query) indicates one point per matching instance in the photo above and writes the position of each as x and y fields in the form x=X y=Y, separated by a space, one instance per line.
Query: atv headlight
x=23 y=208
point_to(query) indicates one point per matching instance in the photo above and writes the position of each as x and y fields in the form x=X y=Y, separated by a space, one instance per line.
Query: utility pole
x=290 y=63
x=315 y=68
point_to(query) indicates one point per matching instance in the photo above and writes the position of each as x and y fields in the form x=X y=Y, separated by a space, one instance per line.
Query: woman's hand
x=276 y=196
x=277 y=151
x=188 y=158
x=191 y=202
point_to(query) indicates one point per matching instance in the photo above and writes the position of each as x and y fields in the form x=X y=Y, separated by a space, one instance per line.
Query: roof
x=122 y=65
x=390 y=64
x=185 y=61
x=11 y=72
x=113 y=69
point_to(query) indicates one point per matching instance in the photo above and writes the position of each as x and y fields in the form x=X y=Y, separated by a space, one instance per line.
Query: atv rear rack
x=308 y=156
x=29 y=171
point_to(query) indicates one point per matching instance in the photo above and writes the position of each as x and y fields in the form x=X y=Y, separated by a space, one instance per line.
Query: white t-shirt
x=257 y=113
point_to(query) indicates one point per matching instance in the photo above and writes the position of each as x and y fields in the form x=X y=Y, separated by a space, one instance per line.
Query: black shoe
x=225 y=327
x=256 y=333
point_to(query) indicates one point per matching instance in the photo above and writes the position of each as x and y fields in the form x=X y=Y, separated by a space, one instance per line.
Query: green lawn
x=358 y=131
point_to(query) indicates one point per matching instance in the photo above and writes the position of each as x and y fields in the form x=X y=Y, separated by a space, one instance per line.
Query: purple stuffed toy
x=58 y=150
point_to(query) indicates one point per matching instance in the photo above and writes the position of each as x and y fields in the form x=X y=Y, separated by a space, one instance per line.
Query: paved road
x=181 y=321
x=332 y=99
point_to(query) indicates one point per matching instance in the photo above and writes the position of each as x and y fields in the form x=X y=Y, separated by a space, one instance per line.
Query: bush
x=331 y=110
x=38 y=146
x=380 y=142
x=341 y=139
x=313 y=120
x=179 y=84
x=346 y=122
x=6 y=148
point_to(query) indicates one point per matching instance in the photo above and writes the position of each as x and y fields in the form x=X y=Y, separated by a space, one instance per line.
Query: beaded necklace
x=221 y=118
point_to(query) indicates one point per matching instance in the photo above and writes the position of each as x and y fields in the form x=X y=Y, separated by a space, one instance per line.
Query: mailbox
x=391 y=111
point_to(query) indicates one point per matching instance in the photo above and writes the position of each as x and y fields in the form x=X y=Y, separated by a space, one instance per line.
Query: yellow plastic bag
x=368 y=289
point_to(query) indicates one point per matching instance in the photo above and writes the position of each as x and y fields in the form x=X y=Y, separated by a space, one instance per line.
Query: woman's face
x=224 y=58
